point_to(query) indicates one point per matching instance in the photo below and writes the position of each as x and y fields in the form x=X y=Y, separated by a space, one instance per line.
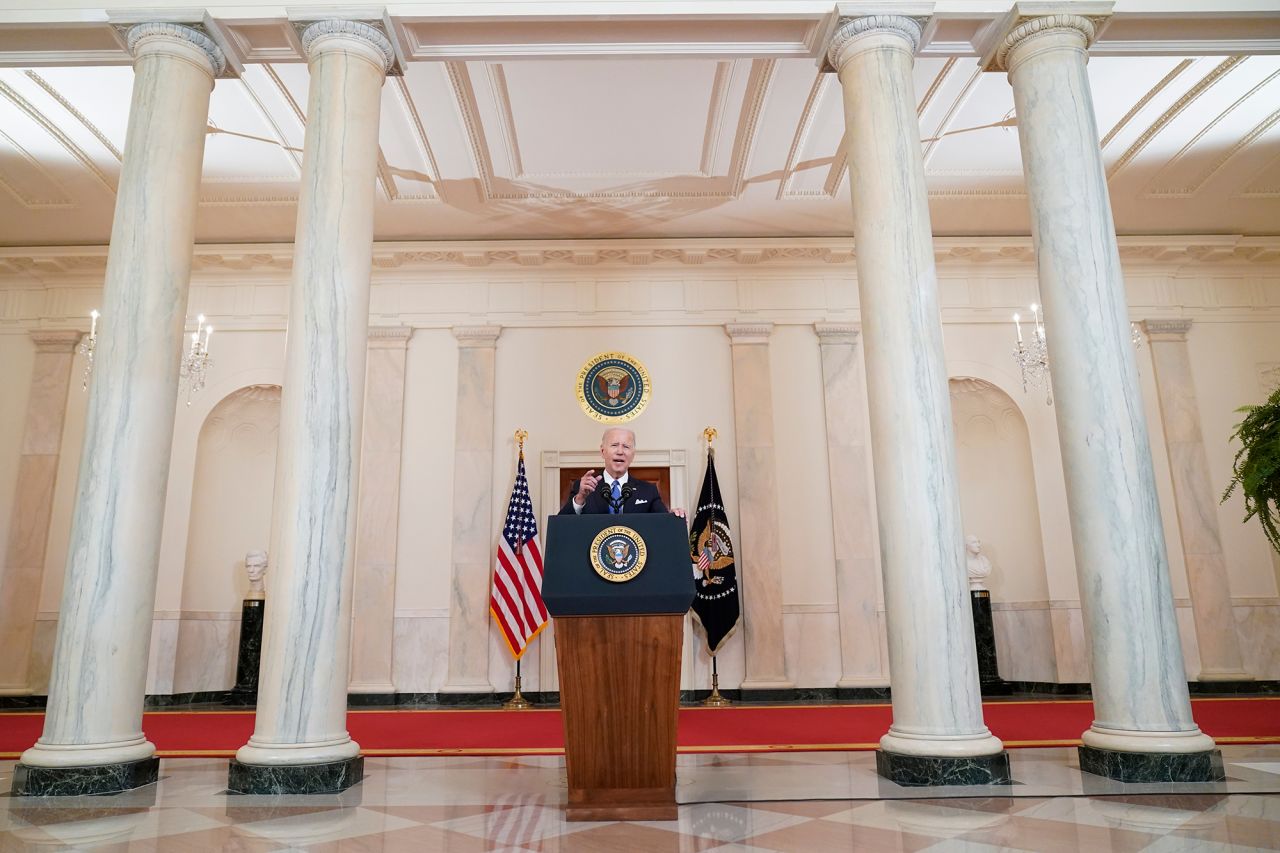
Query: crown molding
x=1172 y=329
x=38 y=264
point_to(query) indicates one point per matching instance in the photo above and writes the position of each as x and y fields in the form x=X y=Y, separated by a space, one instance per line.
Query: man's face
x=617 y=451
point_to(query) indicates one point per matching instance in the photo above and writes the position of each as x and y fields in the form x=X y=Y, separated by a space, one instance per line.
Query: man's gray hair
x=604 y=439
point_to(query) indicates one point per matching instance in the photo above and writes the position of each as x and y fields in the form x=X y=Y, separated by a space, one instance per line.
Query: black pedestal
x=331 y=778
x=920 y=770
x=31 y=781
x=984 y=632
x=1153 y=766
x=250 y=656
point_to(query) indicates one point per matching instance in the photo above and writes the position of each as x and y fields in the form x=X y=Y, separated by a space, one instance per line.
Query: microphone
x=627 y=491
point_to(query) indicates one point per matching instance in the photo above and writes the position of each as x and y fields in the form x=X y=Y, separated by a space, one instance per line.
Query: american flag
x=516 y=599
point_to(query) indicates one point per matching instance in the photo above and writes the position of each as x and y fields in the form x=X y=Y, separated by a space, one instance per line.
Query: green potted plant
x=1256 y=468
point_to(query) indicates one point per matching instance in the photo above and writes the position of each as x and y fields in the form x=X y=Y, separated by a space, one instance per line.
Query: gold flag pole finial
x=710 y=434
x=521 y=435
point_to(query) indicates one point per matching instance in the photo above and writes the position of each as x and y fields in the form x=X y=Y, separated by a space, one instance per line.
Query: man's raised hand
x=586 y=486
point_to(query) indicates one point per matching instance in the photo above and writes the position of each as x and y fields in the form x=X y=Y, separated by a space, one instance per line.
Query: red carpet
x=735 y=729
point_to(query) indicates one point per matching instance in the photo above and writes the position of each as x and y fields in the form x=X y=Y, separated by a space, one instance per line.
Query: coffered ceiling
x=483 y=137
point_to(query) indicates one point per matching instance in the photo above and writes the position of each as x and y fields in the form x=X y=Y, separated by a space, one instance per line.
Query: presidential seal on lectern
x=618 y=553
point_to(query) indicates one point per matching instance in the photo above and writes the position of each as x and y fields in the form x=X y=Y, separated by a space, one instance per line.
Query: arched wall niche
x=230 y=515
x=999 y=506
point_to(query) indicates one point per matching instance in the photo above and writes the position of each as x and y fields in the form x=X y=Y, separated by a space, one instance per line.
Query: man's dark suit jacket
x=644 y=498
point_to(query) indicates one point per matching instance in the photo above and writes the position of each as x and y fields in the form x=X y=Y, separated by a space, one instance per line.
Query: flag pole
x=517 y=702
x=715 y=700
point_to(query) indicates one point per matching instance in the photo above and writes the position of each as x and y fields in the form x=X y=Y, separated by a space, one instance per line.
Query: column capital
x=852 y=34
x=837 y=333
x=56 y=340
x=318 y=36
x=389 y=337
x=477 y=336
x=1028 y=22
x=143 y=38
x=748 y=333
x=1167 y=330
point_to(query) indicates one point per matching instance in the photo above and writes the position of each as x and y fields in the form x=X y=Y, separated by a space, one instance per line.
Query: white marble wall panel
x=1259 y=627
x=162 y=656
x=42 y=640
x=474 y=543
x=853 y=512
x=759 y=558
x=1218 y=655
x=812 y=636
x=206 y=654
x=22 y=572
x=1070 y=644
x=1024 y=642
x=421 y=656
x=374 y=588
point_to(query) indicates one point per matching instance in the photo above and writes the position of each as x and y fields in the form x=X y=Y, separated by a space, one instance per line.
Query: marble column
x=1139 y=684
x=1196 y=501
x=92 y=740
x=844 y=397
x=473 y=542
x=759 y=554
x=938 y=735
x=374 y=595
x=300 y=742
x=23 y=568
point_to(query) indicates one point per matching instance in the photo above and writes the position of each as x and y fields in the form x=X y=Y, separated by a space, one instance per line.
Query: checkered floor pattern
x=466 y=804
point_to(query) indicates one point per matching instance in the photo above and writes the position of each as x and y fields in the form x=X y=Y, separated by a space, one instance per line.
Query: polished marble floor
x=745 y=802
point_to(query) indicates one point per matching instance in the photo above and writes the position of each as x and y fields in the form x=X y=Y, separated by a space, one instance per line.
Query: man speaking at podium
x=614 y=491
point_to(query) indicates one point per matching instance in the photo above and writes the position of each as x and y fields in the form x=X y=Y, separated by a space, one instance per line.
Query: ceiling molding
x=58 y=134
x=36 y=263
x=1188 y=98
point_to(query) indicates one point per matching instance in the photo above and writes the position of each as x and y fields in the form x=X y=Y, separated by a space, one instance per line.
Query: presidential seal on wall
x=613 y=387
x=618 y=553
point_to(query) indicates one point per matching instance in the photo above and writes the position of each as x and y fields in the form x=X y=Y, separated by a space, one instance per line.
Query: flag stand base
x=715 y=700
x=516 y=702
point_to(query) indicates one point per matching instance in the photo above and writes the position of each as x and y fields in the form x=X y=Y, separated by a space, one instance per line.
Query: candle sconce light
x=1032 y=356
x=87 y=346
x=195 y=360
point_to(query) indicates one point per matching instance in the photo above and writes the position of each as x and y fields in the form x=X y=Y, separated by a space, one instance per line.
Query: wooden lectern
x=618 y=645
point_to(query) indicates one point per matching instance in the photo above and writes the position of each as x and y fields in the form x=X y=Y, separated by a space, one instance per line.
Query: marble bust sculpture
x=978 y=565
x=255 y=564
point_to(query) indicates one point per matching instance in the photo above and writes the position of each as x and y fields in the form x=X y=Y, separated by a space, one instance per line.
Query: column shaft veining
x=23 y=569
x=98 y=678
x=302 y=694
x=844 y=395
x=1196 y=501
x=473 y=542
x=937 y=706
x=1139 y=684
x=760 y=556
x=374 y=593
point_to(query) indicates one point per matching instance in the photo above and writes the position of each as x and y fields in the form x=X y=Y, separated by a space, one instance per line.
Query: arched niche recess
x=230 y=515
x=999 y=506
